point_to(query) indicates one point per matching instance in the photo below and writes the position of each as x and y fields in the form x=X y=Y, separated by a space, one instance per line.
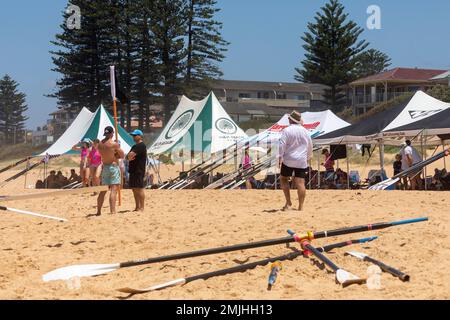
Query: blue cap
x=137 y=133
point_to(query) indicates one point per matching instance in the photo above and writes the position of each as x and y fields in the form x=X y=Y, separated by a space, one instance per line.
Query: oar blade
x=87 y=270
x=346 y=278
x=153 y=288
x=384 y=184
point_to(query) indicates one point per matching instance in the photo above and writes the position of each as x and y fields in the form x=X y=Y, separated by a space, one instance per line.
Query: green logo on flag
x=180 y=123
x=226 y=126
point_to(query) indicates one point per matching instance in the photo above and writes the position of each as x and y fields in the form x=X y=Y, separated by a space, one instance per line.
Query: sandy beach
x=180 y=221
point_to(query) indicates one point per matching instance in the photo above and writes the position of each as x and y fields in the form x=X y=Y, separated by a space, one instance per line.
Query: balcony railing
x=369 y=99
x=291 y=103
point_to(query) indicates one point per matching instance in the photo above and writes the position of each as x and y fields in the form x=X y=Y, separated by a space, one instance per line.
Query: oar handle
x=388 y=269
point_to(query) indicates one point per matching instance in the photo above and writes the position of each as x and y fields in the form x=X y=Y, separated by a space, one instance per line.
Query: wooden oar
x=97 y=269
x=397 y=273
x=31 y=213
x=53 y=193
x=240 y=268
x=342 y=276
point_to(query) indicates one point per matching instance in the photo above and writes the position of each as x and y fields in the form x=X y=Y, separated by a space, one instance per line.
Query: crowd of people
x=56 y=180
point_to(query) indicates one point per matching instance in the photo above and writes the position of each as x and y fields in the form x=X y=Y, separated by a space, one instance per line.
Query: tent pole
x=318 y=170
x=182 y=160
x=235 y=157
x=348 y=167
x=424 y=157
x=443 y=149
x=381 y=147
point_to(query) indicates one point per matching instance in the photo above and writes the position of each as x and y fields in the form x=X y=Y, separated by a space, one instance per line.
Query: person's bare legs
x=405 y=183
x=301 y=190
x=284 y=181
x=113 y=198
x=136 y=199
x=141 y=198
x=248 y=184
x=100 y=201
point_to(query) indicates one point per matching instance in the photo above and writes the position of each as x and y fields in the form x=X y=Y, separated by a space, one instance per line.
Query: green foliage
x=332 y=45
x=161 y=49
x=205 y=47
x=371 y=62
x=12 y=111
x=440 y=92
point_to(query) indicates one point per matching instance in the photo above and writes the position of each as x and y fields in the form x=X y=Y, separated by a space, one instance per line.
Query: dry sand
x=180 y=221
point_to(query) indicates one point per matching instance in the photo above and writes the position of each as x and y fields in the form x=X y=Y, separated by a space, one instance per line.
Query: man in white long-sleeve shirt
x=295 y=150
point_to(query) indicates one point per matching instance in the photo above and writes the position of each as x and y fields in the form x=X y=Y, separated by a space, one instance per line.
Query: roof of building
x=442 y=76
x=267 y=86
x=402 y=74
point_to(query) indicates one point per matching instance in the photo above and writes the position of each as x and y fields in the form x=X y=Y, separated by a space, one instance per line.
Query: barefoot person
x=111 y=154
x=95 y=163
x=294 y=153
x=84 y=169
x=136 y=168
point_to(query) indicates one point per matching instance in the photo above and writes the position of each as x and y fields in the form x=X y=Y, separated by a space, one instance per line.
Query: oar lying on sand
x=342 y=276
x=53 y=193
x=97 y=269
x=240 y=268
x=31 y=213
x=397 y=273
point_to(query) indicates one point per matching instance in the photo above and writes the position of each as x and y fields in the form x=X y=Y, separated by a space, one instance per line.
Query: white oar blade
x=384 y=184
x=346 y=278
x=154 y=288
x=36 y=214
x=87 y=270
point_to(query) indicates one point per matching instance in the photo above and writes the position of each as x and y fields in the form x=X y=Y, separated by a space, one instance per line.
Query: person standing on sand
x=111 y=153
x=95 y=163
x=136 y=168
x=84 y=169
x=295 y=150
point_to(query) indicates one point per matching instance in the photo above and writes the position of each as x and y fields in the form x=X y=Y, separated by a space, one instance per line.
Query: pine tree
x=332 y=47
x=205 y=47
x=168 y=21
x=12 y=111
x=83 y=57
x=371 y=62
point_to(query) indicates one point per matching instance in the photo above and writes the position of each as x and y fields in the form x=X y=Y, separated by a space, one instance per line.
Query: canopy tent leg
x=348 y=167
x=381 y=149
x=318 y=170
x=443 y=149
x=424 y=156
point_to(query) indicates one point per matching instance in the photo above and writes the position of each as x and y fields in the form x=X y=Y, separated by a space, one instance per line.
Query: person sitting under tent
x=329 y=166
x=61 y=180
x=50 y=182
x=40 y=184
x=341 y=179
x=295 y=150
x=74 y=177
x=84 y=148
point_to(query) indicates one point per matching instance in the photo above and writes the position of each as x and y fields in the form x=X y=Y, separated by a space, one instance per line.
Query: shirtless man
x=111 y=153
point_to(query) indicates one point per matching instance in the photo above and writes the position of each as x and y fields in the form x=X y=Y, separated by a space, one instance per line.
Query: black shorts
x=288 y=171
x=136 y=181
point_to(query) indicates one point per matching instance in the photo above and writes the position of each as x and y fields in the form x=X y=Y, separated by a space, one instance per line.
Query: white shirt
x=408 y=150
x=296 y=146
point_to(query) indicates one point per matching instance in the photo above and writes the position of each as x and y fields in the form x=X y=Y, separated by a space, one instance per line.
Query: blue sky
x=264 y=35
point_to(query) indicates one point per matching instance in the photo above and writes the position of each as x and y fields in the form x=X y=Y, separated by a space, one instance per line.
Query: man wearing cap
x=111 y=154
x=295 y=151
x=136 y=168
x=409 y=158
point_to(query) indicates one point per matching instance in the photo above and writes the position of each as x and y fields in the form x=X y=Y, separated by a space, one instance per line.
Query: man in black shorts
x=295 y=151
x=137 y=166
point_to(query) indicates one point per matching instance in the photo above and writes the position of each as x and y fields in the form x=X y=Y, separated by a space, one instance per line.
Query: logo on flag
x=226 y=126
x=179 y=124
x=415 y=114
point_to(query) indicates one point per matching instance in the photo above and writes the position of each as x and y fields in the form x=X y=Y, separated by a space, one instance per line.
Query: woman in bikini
x=84 y=169
x=95 y=163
